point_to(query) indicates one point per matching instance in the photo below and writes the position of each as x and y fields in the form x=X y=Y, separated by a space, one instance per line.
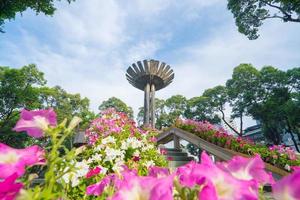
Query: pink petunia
x=147 y=187
x=93 y=172
x=36 y=122
x=288 y=188
x=248 y=169
x=219 y=184
x=158 y=171
x=98 y=188
x=9 y=189
x=15 y=160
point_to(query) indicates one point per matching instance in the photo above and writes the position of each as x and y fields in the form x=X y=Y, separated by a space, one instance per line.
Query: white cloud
x=93 y=42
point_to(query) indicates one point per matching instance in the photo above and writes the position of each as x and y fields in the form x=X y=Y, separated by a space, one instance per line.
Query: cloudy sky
x=87 y=46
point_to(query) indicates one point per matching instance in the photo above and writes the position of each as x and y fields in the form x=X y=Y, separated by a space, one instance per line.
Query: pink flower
x=153 y=139
x=93 y=172
x=9 y=189
x=135 y=187
x=248 y=169
x=15 y=160
x=288 y=188
x=158 y=171
x=295 y=168
x=36 y=122
x=219 y=184
x=163 y=151
x=184 y=174
x=98 y=188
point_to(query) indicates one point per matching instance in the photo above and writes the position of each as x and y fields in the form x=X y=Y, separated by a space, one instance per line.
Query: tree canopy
x=250 y=14
x=9 y=8
x=118 y=104
x=25 y=88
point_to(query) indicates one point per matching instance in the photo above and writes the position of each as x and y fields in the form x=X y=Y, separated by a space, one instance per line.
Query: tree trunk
x=241 y=125
x=223 y=118
x=289 y=129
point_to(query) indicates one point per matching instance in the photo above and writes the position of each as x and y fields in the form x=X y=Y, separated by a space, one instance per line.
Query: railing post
x=176 y=142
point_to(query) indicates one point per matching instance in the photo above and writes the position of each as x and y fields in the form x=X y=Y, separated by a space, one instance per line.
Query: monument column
x=147 y=105
x=149 y=76
x=152 y=106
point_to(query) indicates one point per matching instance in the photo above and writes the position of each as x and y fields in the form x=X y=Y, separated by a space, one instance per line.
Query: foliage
x=9 y=9
x=113 y=142
x=76 y=174
x=24 y=88
x=117 y=104
x=250 y=15
x=241 y=88
x=17 y=90
x=280 y=158
x=199 y=109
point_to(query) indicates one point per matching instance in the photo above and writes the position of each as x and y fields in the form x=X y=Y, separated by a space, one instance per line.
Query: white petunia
x=149 y=163
x=111 y=154
x=107 y=140
x=97 y=157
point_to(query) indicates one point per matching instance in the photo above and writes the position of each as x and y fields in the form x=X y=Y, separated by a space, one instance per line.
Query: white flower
x=97 y=157
x=149 y=163
x=108 y=140
x=81 y=168
x=90 y=160
x=118 y=166
x=103 y=170
x=136 y=153
x=111 y=154
x=147 y=147
x=131 y=142
x=287 y=167
x=72 y=178
x=98 y=148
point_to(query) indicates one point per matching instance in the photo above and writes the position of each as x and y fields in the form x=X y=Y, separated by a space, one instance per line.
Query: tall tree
x=242 y=88
x=118 y=104
x=175 y=108
x=9 y=8
x=276 y=104
x=66 y=105
x=18 y=89
x=200 y=109
x=217 y=98
x=250 y=14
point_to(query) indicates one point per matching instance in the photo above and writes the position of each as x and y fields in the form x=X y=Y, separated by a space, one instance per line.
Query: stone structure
x=149 y=76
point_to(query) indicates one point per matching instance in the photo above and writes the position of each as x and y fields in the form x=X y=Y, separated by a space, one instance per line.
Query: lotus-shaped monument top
x=149 y=71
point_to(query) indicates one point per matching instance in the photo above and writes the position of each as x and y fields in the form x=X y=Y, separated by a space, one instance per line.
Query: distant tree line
x=25 y=88
x=269 y=95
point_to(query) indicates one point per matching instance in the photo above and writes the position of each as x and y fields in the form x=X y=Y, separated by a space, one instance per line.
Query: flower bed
x=279 y=156
x=121 y=163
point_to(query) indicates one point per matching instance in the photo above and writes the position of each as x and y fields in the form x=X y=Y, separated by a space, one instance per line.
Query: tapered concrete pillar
x=147 y=105
x=152 y=106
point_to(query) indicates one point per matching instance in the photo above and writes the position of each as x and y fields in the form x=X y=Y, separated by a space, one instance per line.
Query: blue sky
x=87 y=46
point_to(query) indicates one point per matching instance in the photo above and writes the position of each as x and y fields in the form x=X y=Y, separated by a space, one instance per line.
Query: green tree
x=175 y=108
x=160 y=114
x=242 y=89
x=18 y=89
x=66 y=105
x=9 y=8
x=200 y=109
x=217 y=99
x=250 y=14
x=118 y=104
x=277 y=103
